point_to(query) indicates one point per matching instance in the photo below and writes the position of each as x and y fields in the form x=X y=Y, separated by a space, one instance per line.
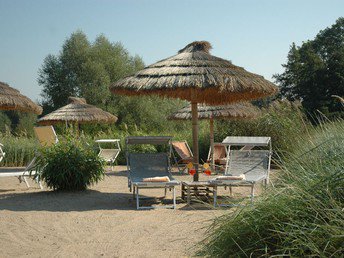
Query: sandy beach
x=102 y=221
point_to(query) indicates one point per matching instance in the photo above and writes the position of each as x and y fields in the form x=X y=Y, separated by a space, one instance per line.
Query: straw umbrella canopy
x=11 y=99
x=79 y=112
x=244 y=110
x=197 y=76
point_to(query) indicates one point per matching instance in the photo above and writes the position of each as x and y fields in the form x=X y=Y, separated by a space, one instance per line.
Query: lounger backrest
x=46 y=135
x=143 y=165
x=182 y=148
x=254 y=164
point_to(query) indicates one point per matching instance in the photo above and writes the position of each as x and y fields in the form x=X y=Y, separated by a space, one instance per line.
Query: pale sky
x=254 y=34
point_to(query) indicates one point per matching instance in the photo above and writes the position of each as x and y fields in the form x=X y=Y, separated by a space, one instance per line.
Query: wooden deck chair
x=254 y=165
x=184 y=153
x=109 y=154
x=150 y=170
x=220 y=155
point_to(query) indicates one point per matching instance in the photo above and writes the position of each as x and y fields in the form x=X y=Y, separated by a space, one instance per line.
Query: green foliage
x=283 y=121
x=70 y=165
x=87 y=69
x=84 y=69
x=301 y=216
x=315 y=71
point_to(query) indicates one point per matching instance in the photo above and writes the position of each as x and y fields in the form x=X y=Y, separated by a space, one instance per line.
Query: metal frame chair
x=254 y=164
x=147 y=165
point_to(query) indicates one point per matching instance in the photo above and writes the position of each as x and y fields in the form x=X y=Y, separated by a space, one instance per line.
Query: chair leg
x=26 y=182
x=174 y=197
x=231 y=191
x=252 y=193
x=215 y=195
x=165 y=192
x=137 y=198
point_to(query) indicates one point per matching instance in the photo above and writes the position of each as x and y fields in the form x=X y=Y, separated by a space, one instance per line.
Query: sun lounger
x=46 y=136
x=149 y=170
x=184 y=154
x=250 y=166
x=109 y=154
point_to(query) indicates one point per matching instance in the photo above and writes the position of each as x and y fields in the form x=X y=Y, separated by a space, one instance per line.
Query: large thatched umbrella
x=11 y=99
x=78 y=112
x=195 y=75
x=244 y=110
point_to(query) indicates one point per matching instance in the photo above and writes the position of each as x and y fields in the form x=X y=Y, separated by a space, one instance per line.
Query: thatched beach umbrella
x=195 y=75
x=78 y=112
x=11 y=99
x=244 y=110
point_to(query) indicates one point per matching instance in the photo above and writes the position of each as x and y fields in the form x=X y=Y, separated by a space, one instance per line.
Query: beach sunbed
x=245 y=167
x=109 y=154
x=150 y=170
x=184 y=154
x=47 y=137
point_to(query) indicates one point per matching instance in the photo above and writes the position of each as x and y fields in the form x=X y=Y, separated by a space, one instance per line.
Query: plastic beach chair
x=142 y=166
x=254 y=164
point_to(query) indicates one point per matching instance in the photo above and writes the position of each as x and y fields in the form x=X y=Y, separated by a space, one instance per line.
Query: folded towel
x=240 y=177
x=156 y=179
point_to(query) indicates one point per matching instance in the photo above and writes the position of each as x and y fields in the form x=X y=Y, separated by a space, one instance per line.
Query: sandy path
x=102 y=221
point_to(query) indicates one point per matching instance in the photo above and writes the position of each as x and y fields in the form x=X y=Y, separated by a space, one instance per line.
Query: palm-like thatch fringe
x=11 y=99
x=78 y=111
x=195 y=75
x=242 y=110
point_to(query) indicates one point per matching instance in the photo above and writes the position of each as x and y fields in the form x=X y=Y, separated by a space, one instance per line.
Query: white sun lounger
x=149 y=165
x=46 y=136
x=254 y=164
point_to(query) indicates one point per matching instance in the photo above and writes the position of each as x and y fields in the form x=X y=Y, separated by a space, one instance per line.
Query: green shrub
x=70 y=165
x=301 y=216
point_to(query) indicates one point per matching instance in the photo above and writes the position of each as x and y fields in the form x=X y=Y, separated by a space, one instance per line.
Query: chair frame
x=115 y=142
x=181 y=166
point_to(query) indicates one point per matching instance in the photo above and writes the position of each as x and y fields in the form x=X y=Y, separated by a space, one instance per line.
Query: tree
x=315 y=71
x=84 y=69
x=87 y=69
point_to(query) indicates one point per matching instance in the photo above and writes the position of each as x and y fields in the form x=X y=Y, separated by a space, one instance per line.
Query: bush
x=301 y=216
x=70 y=165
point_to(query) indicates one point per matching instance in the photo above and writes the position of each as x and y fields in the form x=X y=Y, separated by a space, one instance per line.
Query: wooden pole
x=212 y=144
x=194 y=112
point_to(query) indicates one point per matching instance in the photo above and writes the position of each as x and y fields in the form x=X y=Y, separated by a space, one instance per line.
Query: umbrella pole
x=212 y=144
x=194 y=112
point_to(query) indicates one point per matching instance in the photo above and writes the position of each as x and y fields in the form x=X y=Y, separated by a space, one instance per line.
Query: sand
x=102 y=221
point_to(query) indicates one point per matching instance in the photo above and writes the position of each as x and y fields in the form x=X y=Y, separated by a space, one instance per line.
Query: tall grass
x=19 y=150
x=301 y=216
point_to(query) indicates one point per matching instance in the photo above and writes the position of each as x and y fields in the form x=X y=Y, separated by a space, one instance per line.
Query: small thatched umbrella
x=244 y=110
x=79 y=112
x=195 y=75
x=11 y=99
